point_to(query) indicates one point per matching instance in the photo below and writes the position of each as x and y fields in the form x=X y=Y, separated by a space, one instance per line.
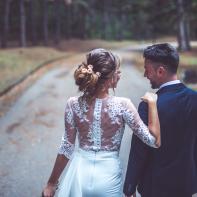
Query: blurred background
x=49 y=29
x=43 y=22
x=42 y=41
x=57 y=25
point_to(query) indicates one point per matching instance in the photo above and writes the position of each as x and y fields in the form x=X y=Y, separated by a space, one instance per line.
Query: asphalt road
x=32 y=128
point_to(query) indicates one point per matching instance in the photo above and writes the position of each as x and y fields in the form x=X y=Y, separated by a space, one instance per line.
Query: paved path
x=31 y=130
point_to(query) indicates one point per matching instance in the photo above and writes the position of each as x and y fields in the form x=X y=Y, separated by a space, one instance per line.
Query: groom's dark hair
x=163 y=53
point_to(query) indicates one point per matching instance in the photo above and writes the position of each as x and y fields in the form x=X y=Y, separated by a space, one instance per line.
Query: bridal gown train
x=94 y=168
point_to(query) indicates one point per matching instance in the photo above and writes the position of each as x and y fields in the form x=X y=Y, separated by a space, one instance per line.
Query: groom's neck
x=169 y=78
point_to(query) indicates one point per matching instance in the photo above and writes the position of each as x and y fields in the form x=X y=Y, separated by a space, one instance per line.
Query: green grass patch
x=188 y=60
x=18 y=62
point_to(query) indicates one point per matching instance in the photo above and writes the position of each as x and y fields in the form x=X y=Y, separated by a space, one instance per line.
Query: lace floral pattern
x=69 y=118
x=80 y=108
x=95 y=131
x=116 y=139
x=138 y=127
x=66 y=148
x=114 y=110
x=101 y=125
x=67 y=145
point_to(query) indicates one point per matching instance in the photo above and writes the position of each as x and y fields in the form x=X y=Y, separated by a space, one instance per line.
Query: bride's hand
x=49 y=190
x=134 y=195
x=149 y=97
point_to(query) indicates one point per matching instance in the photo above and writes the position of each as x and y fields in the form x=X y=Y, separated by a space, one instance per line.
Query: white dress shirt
x=170 y=83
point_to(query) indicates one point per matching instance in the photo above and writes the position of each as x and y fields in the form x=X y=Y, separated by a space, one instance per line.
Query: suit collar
x=170 y=88
x=170 y=83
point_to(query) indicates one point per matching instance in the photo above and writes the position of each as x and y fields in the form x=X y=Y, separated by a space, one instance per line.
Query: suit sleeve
x=193 y=116
x=193 y=124
x=138 y=156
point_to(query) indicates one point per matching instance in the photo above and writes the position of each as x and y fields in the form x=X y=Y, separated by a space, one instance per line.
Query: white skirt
x=92 y=174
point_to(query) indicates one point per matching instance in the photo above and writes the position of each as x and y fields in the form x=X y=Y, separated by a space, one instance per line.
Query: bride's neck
x=102 y=94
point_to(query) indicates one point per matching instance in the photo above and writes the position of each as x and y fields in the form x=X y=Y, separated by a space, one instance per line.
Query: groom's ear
x=161 y=71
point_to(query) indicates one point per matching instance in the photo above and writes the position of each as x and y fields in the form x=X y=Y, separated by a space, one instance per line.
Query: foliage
x=105 y=19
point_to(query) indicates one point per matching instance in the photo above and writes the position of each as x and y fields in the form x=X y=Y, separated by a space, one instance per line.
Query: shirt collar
x=169 y=83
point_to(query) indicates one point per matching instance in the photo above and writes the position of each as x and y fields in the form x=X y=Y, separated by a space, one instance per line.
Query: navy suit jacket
x=171 y=170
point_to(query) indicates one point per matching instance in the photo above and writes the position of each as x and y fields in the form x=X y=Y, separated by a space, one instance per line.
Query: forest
x=41 y=22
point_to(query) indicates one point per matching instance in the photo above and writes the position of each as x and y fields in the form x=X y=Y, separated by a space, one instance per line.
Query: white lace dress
x=94 y=168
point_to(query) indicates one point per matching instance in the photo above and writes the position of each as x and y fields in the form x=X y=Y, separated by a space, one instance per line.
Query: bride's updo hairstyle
x=100 y=66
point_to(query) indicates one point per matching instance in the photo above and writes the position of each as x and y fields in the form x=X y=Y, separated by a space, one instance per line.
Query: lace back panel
x=100 y=126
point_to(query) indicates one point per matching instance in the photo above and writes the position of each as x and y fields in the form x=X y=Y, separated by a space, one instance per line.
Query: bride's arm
x=149 y=135
x=153 y=119
x=52 y=183
x=65 y=152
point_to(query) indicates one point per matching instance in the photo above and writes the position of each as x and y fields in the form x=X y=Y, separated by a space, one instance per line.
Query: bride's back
x=100 y=125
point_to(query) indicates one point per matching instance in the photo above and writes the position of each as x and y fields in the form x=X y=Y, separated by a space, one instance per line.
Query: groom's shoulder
x=191 y=94
x=186 y=90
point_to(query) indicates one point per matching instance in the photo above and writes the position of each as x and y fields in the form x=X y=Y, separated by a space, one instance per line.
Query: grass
x=18 y=62
x=189 y=59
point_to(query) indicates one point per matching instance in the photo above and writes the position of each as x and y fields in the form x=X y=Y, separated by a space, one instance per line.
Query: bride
x=98 y=121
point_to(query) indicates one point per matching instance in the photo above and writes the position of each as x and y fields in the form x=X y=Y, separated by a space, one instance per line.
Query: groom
x=171 y=170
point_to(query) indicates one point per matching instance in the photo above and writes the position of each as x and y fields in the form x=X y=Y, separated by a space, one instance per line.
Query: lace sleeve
x=132 y=118
x=68 y=139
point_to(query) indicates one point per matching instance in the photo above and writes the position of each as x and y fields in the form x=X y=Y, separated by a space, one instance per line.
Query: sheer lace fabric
x=100 y=126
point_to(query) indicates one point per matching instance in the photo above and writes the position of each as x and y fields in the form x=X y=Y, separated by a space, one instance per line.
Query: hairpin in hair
x=98 y=74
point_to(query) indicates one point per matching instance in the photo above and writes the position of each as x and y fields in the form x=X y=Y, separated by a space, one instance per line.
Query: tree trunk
x=68 y=29
x=183 y=27
x=5 y=32
x=45 y=22
x=106 y=19
x=22 y=24
x=33 y=22
x=122 y=23
x=122 y=26
x=90 y=19
x=57 y=20
x=81 y=24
